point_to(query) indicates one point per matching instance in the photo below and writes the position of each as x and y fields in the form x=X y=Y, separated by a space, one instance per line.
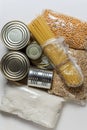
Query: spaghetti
x=56 y=52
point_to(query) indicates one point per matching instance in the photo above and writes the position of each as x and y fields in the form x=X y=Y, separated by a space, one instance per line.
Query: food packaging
x=65 y=65
x=72 y=29
x=40 y=78
x=30 y=104
x=78 y=95
x=15 y=65
x=15 y=35
x=55 y=50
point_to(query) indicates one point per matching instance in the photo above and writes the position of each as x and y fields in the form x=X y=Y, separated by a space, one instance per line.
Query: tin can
x=45 y=63
x=15 y=35
x=34 y=51
x=40 y=78
x=15 y=65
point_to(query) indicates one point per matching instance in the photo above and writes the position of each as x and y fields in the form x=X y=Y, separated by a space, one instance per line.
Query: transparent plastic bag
x=55 y=50
x=31 y=104
x=78 y=94
x=72 y=29
x=65 y=64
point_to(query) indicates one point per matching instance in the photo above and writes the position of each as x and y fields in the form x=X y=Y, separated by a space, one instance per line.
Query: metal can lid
x=34 y=51
x=15 y=65
x=15 y=35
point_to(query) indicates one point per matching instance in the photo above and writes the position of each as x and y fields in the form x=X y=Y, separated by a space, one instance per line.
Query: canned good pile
x=44 y=63
x=23 y=56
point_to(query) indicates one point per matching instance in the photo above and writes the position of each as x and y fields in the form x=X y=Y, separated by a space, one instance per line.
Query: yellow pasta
x=70 y=73
x=56 y=52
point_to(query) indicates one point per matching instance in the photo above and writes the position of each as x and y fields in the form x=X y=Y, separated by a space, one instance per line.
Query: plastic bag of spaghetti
x=31 y=104
x=78 y=94
x=65 y=64
x=55 y=49
x=73 y=29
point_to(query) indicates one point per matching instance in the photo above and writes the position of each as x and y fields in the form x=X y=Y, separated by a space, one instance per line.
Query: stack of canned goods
x=15 y=65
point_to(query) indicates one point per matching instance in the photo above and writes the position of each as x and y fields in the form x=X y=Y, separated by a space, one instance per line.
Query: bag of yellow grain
x=73 y=29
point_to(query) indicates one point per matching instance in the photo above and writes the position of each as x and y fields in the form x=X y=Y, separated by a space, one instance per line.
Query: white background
x=74 y=117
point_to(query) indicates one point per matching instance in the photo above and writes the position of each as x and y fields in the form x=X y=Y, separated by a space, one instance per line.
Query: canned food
x=34 y=51
x=40 y=78
x=45 y=63
x=15 y=35
x=14 y=65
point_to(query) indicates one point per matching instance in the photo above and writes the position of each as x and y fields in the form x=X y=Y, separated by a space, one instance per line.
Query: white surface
x=73 y=117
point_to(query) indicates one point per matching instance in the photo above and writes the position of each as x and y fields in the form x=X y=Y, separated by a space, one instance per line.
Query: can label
x=40 y=78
